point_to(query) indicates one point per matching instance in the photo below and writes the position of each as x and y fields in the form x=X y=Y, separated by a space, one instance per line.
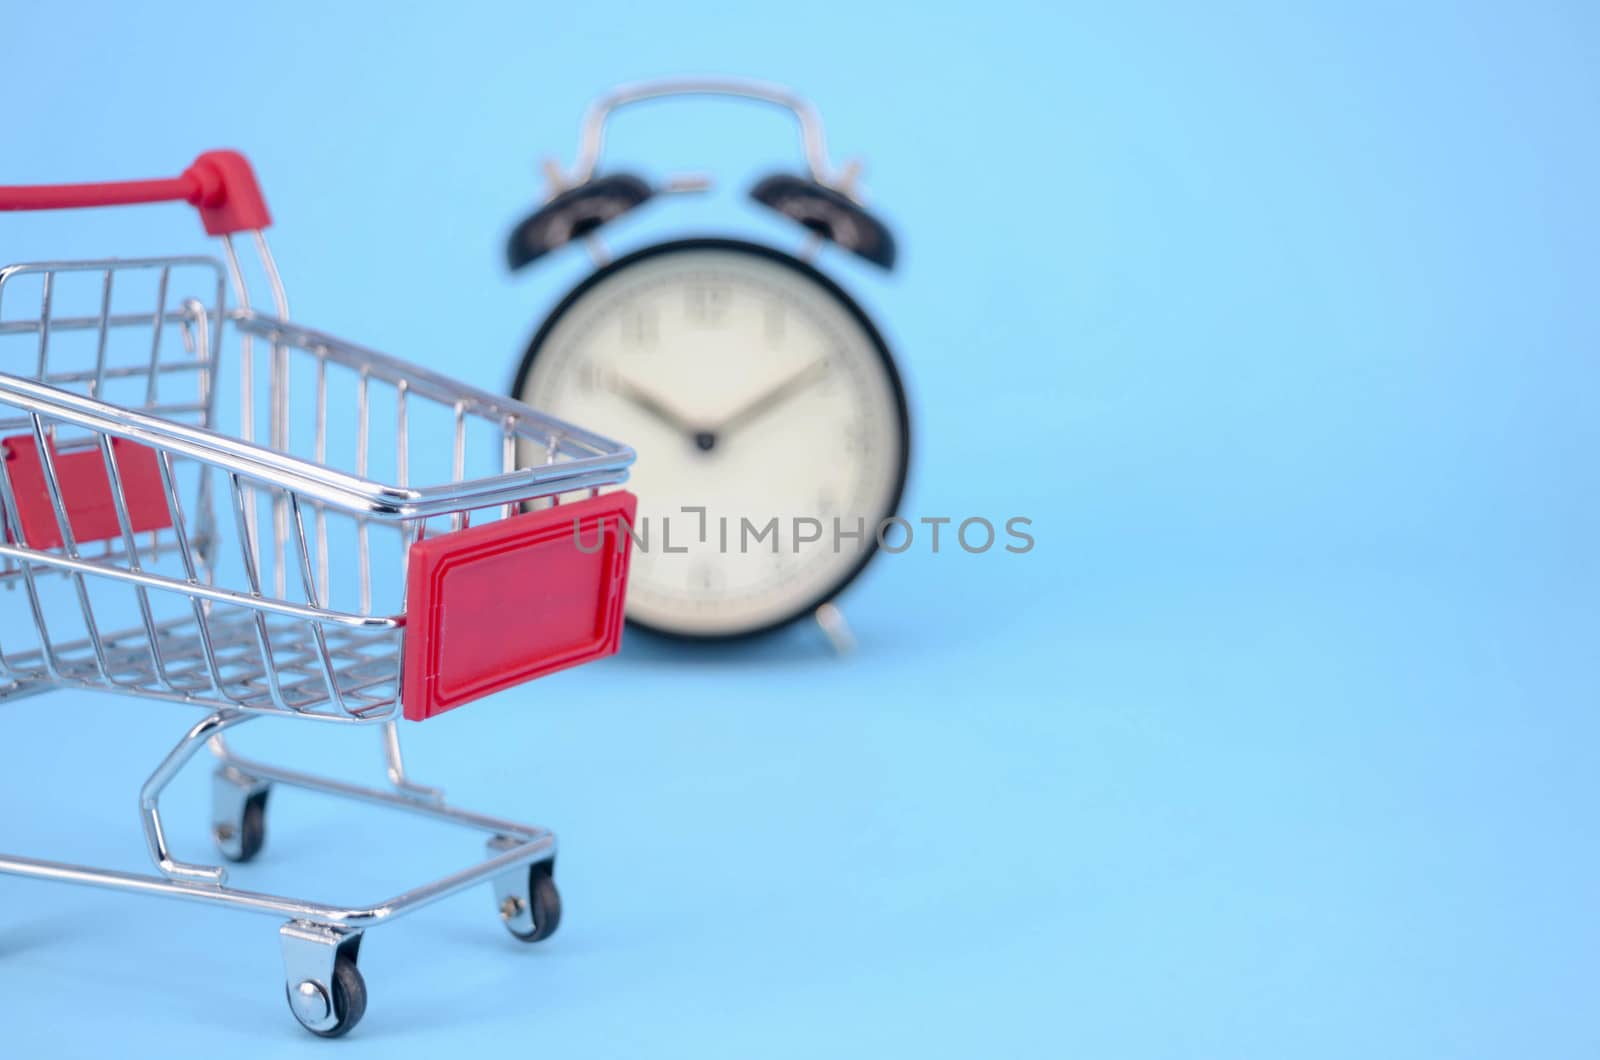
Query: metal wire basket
x=337 y=545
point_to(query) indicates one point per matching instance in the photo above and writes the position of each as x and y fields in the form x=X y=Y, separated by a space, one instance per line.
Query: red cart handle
x=220 y=183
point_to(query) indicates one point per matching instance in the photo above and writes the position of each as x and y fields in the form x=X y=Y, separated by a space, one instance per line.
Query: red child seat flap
x=85 y=491
x=493 y=606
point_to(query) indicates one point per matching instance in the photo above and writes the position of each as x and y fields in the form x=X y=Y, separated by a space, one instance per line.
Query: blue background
x=1278 y=320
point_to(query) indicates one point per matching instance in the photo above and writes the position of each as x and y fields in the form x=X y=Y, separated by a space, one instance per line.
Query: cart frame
x=320 y=942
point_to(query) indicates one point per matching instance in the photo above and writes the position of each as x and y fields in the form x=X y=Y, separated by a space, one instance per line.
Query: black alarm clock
x=768 y=416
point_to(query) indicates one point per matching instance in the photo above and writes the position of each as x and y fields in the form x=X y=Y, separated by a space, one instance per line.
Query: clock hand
x=776 y=395
x=648 y=402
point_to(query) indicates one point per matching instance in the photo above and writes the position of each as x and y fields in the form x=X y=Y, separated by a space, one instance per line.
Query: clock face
x=751 y=386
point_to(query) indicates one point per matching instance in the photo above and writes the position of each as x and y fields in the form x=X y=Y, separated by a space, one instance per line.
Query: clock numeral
x=706 y=577
x=706 y=304
x=830 y=378
x=857 y=438
x=588 y=376
x=639 y=326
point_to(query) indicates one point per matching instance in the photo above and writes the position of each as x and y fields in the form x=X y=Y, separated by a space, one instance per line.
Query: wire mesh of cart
x=352 y=540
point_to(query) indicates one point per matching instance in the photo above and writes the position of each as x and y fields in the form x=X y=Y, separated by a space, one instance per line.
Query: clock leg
x=832 y=622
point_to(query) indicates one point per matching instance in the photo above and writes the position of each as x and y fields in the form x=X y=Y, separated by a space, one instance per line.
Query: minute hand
x=779 y=393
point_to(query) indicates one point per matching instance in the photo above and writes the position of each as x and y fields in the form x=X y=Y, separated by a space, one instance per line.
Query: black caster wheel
x=310 y=1002
x=239 y=819
x=252 y=829
x=544 y=901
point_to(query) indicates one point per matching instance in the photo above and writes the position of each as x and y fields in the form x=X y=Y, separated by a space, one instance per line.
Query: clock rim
x=828 y=286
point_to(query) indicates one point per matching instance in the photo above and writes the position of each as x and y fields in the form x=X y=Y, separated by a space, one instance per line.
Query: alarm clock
x=764 y=404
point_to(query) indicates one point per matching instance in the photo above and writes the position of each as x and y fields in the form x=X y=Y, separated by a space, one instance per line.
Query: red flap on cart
x=496 y=605
x=85 y=490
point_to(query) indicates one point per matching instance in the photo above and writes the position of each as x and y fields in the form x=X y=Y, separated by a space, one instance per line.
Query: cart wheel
x=545 y=903
x=252 y=829
x=239 y=814
x=349 y=999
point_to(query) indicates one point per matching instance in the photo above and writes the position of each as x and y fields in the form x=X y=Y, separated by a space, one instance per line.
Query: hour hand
x=648 y=402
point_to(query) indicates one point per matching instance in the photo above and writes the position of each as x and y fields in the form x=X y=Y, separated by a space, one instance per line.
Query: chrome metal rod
x=395 y=766
x=202 y=591
x=594 y=122
x=150 y=798
x=535 y=849
x=439 y=810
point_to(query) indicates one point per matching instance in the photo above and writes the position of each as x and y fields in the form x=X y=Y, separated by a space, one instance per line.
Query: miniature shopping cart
x=352 y=541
